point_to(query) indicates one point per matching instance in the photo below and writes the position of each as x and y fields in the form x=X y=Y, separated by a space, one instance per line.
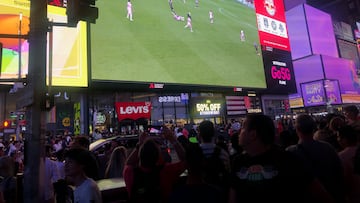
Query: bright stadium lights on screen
x=213 y=43
x=69 y=67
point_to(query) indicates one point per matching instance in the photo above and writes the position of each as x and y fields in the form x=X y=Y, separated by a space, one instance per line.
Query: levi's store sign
x=271 y=23
x=133 y=110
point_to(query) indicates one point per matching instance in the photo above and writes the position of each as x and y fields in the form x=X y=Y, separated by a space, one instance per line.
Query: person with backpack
x=217 y=162
x=148 y=179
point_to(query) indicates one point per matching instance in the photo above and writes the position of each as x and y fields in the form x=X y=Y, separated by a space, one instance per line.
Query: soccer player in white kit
x=211 y=16
x=129 y=11
x=188 y=24
x=242 y=35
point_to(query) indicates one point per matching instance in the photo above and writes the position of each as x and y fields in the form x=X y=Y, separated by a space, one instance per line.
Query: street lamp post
x=35 y=92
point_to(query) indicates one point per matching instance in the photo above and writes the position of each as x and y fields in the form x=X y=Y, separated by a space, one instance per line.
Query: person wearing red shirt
x=147 y=177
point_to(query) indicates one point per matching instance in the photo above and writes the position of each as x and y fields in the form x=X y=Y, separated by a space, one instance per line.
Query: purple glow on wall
x=310 y=32
x=321 y=32
x=344 y=71
x=307 y=69
x=298 y=34
x=289 y=4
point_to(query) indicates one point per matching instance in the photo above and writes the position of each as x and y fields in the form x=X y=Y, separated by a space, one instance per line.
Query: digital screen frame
x=274 y=40
x=70 y=61
x=159 y=47
x=313 y=93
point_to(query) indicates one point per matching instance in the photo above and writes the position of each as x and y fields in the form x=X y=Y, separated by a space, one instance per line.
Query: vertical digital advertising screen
x=69 y=52
x=198 y=43
x=349 y=50
x=275 y=44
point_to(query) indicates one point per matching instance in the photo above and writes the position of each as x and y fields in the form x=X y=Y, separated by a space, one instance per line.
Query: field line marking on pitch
x=234 y=17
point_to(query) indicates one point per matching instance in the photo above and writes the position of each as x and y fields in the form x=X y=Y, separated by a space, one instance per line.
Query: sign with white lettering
x=169 y=99
x=156 y=86
x=207 y=108
x=133 y=110
x=313 y=93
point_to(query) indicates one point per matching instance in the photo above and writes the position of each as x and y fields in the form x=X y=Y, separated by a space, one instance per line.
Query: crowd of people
x=302 y=160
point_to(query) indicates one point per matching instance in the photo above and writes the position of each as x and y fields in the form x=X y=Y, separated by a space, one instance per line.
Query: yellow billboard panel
x=69 y=64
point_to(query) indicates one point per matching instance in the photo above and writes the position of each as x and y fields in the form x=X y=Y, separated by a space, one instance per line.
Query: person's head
x=305 y=126
x=81 y=141
x=48 y=150
x=60 y=155
x=347 y=136
x=351 y=112
x=76 y=162
x=336 y=123
x=149 y=154
x=206 y=131
x=258 y=131
x=7 y=166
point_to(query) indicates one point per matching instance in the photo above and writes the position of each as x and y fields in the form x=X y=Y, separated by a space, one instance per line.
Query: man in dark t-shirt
x=266 y=173
x=274 y=175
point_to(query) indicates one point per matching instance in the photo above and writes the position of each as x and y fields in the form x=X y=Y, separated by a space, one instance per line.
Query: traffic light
x=85 y=10
x=6 y=124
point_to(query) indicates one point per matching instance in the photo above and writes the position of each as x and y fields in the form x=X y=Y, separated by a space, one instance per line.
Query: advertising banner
x=279 y=71
x=271 y=23
x=77 y=117
x=349 y=50
x=69 y=45
x=207 y=107
x=133 y=110
x=235 y=105
x=332 y=91
x=65 y=116
x=313 y=93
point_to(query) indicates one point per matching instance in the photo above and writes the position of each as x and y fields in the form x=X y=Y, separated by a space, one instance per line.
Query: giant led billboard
x=345 y=72
x=210 y=43
x=311 y=32
x=69 y=52
x=275 y=44
x=321 y=92
x=272 y=24
x=341 y=72
x=349 y=50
